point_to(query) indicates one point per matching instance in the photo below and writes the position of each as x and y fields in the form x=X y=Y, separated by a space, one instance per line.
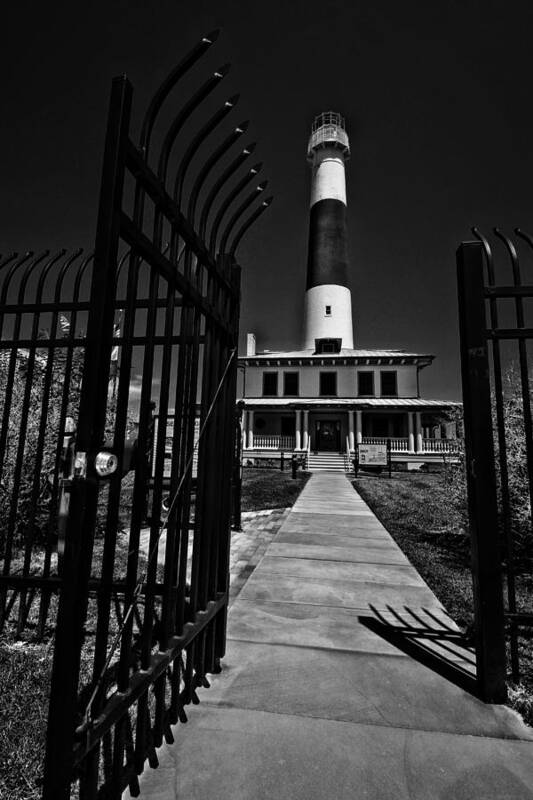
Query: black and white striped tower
x=328 y=301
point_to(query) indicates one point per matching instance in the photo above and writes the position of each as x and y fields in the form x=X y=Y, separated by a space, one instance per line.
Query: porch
x=421 y=433
x=398 y=445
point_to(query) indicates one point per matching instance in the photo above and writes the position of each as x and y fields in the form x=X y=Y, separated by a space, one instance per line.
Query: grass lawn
x=25 y=673
x=268 y=488
x=416 y=510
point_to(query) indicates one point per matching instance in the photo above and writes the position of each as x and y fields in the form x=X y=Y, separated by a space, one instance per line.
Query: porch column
x=411 y=431
x=351 y=435
x=298 y=442
x=305 y=430
x=244 y=420
x=250 y=430
x=359 y=427
x=418 y=431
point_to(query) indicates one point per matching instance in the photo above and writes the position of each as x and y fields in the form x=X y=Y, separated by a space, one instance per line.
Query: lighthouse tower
x=328 y=301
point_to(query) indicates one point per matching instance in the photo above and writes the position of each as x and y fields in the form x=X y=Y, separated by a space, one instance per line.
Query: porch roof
x=347 y=402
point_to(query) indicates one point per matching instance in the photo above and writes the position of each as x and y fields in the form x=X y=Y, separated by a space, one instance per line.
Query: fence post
x=481 y=476
x=294 y=465
x=58 y=767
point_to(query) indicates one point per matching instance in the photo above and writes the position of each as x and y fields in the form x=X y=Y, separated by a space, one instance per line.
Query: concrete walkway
x=316 y=702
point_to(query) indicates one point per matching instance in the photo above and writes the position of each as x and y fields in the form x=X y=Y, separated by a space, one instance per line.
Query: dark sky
x=437 y=98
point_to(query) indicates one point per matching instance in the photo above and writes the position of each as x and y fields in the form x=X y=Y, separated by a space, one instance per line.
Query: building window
x=328 y=311
x=389 y=384
x=328 y=384
x=365 y=384
x=291 y=384
x=270 y=384
x=328 y=345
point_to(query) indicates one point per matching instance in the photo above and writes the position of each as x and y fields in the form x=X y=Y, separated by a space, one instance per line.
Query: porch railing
x=397 y=445
x=440 y=445
x=401 y=445
x=274 y=442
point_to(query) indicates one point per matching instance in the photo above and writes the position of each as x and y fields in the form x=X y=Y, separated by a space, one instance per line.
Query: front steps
x=327 y=462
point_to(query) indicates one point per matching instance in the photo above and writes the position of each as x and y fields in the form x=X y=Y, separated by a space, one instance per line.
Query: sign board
x=373 y=455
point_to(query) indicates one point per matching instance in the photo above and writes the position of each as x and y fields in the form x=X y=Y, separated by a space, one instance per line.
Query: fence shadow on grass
x=428 y=638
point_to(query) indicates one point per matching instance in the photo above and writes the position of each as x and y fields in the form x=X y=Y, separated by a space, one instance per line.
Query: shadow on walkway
x=429 y=640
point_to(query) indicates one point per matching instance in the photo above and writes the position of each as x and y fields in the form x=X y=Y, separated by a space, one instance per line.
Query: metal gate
x=119 y=375
x=496 y=376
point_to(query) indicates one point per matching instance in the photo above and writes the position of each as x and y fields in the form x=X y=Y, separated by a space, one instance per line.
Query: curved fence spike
x=488 y=253
x=196 y=142
x=239 y=212
x=7 y=260
x=511 y=249
x=247 y=224
x=44 y=274
x=219 y=183
x=79 y=276
x=237 y=189
x=526 y=237
x=168 y=84
x=180 y=120
x=64 y=269
x=26 y=275
x=210 y=163
x=20 y=261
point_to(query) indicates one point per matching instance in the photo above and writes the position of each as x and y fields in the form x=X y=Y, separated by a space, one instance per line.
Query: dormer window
x=328 y=345
x=328 y=311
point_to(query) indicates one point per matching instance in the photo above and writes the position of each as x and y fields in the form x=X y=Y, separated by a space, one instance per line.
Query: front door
x=328 y=435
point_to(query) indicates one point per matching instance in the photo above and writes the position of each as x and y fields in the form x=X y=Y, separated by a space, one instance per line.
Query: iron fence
x=495 y=329
x=111 y=363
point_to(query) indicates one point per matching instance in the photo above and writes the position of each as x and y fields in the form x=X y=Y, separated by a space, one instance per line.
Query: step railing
x=347 y=454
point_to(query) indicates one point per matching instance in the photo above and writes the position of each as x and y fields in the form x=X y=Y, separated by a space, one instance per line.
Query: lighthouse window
x=389 y=384
x=328 y=311
x=290 y=384
x=328 y=384
x=270 y=384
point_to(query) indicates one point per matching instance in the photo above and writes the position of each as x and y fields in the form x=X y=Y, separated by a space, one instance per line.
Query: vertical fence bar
x=78 y=546
x=481 y=476
x=232 y=431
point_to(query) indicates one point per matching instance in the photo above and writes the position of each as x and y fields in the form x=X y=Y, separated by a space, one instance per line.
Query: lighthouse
x=327 y=399
x=328 y=301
